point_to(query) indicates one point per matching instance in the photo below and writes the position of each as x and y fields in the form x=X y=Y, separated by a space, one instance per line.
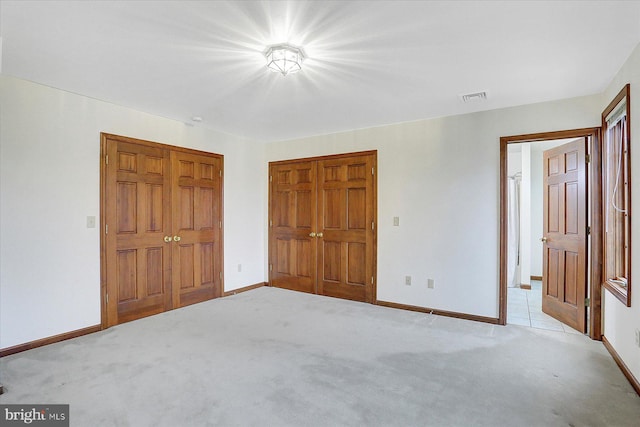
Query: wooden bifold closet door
x=322 y=226
x=161 y=228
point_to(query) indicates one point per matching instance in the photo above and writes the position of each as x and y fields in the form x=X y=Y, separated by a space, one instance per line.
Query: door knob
x=312 y=234
x=167 y=239
x=543 y=240
x=176 y=238
x=319 y=234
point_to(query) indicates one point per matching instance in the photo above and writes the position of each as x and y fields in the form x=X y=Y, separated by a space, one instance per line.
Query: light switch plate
x=91 y=222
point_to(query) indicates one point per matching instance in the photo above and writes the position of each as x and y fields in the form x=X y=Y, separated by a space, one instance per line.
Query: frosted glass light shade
x=284 y=58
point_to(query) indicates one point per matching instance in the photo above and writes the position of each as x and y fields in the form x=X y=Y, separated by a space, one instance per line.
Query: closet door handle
x=176 y=238
x=312 y=234
x=167 y=239
x=319 y=234
x=543 y=240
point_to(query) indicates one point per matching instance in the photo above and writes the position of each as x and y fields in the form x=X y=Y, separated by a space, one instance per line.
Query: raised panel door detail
x=186 y=169
x=154 y=207
x=357 y=172
x=332 y=173
x=303 y=176
x=154 y=165
x=356 y=208
x=186 y=266
x=333 y=209
x=185 y=208
x=302 y=209
x=207 y=267
x=332 y=261
x=571 y=278
x=127 y=162
x=283 y=211
x=127 y=268
x=283 y=249
x=554 y=208
x=206 y=206
x=571 y=161
x=552 y=272
x=356 y=261
x=284 y=177
x=554 y=166
x=126 y=208
x=303 y=251
x=154 y=271
x=571 y=207
x=207 y=171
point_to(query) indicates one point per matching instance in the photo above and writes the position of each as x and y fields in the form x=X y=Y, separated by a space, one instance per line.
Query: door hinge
x=219 y=224
x=270 y=267
x=270 y=223
x=270 y=178
x=220 y=275
x=372 y=280
x=107 y=298
x=106 y=229
x=372 y=226
x=220 y=173
x=588 y=230
x=372 y=171
x=106 y=159
x=587 y=158
x=587 y=302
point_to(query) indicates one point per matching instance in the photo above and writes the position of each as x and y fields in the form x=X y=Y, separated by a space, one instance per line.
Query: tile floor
x=524 y=308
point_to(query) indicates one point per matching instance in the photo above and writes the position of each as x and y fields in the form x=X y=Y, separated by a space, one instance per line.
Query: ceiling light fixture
x=284 y=58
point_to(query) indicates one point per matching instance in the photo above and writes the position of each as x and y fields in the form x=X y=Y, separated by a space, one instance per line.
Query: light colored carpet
x=272 y=357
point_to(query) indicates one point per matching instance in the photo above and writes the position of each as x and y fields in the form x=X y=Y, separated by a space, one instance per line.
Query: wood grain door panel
x=197 y=223
x=138 y=259
x=345 y=260
x=163 y=215
x=564 y=259
x=293 y=212
x=321 y=236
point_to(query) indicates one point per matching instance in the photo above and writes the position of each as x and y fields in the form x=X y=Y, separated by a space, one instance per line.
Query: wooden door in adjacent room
x=322 y=225
x=564 y=285
x=161 y=228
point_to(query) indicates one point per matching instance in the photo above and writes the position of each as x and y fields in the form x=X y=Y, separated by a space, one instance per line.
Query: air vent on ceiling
x=474 y=97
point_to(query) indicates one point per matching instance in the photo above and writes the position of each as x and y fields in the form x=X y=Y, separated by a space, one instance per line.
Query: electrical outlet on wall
x=407 y=280
x=430 y=283
x=638 y=337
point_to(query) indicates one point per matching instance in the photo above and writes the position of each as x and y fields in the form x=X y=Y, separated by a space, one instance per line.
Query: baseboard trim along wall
x=49 y=340
x=536 y=278
x=625 y=370
x=245 y=289
x=457 y=315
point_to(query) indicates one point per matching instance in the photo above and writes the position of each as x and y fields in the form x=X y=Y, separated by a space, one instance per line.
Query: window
x=616 y=175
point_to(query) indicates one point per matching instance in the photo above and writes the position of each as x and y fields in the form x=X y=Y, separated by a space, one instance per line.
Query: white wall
x=441 y=177
x=621 y=322
x=536 y=209
x=525 y=216
x=49 y=181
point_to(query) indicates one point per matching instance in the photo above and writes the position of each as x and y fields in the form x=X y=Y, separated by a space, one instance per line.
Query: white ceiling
x=370 y=63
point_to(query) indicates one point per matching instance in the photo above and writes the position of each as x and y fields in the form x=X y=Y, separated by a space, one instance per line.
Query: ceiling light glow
x=284 y=58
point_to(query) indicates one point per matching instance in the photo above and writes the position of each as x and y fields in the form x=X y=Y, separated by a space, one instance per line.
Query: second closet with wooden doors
x=322 y=225
x=162 y=221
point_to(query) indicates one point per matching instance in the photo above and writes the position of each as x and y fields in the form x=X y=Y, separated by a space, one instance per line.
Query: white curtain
x=513 y=234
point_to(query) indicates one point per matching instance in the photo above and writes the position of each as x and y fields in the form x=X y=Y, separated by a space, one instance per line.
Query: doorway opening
x=550 y=246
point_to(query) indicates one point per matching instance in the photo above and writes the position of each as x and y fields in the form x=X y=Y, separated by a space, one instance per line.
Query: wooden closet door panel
x=138 y=218
x=564 y=283
x=293 y=223
x=346 y=223
x=196 y=189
